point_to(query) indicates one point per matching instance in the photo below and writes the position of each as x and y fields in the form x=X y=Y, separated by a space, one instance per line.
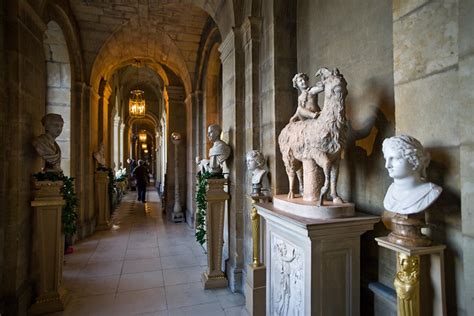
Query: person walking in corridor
x=141 y=175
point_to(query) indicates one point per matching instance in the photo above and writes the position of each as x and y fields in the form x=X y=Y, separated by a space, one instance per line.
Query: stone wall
x=433 y=65
x=3 y=144
x=356 y=37
x=25 y=76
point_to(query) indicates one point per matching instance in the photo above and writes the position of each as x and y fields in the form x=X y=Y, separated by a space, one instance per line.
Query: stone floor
x=144 y=265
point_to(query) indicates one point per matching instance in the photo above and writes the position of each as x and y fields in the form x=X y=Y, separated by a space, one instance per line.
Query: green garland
x=69 y=214
x=202 y=204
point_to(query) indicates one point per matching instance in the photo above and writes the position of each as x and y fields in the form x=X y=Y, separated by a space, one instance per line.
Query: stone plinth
x=48 y=247
x=310 y=209
x=216 y=197
x=255 y=290
x=420 y=280
x=102 y=206
x=313 y=265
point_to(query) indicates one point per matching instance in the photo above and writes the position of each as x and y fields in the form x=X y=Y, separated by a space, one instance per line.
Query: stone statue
x=406 y=161
x=256 y=163
x=410 y=194
x=315 y=145
x=218 y=153
x=308 y=107
x=46 y=145
x=99 y=156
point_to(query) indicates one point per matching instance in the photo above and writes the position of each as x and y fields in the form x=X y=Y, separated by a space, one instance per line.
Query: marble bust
x=46 y=145
x=218 y=153
x=99 y=156
x=406 y=161
x=255 y=164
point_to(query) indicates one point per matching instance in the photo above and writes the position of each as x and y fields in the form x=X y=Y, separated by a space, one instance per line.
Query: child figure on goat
x=308 y=107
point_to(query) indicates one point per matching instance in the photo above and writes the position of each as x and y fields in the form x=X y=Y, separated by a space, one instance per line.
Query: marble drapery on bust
x=218 y=153
x=406 y=161
x=46 y=145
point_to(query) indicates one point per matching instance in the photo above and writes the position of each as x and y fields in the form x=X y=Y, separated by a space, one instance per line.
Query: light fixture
x=146 y=151
x=136 y=104
x=144 y=146
x=142 y=136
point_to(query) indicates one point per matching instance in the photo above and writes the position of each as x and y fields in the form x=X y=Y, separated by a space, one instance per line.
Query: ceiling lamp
x=146 y=151
x=136 y=104
x=142 y=136
x=144 y=146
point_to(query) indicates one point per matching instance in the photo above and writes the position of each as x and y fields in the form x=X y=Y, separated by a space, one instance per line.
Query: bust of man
x=255 y=163
x=99 y=156
x=406 y=161
x=46 y=145
x=218 y=153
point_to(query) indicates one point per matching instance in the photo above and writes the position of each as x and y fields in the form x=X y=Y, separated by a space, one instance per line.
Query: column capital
x=228 y=44
x=250 y=29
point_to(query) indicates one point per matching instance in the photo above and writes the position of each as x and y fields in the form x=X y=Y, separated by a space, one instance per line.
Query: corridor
x=144 y=265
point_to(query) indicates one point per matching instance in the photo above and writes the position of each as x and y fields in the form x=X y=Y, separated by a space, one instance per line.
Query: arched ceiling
x=166 y=32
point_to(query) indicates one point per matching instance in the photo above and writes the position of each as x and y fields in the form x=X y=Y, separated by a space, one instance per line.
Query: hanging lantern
x=144 y=146
x=142 y=136
x=136 y=104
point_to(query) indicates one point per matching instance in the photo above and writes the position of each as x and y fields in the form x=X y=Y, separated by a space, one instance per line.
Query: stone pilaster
x=233 y=125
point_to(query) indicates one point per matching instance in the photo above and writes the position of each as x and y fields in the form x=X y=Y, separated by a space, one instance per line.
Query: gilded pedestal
x=418 y=292
x=255 y=283
x=216 y=197
x=48 y=247
x=102 y=200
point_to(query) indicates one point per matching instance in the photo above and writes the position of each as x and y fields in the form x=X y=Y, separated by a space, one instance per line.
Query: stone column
x=216 y=197
x=48 y=247
x=177 y=215
x=102 y=200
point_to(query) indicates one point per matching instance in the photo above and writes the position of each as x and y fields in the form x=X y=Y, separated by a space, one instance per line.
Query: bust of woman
x=46 y=145
x=406 y=161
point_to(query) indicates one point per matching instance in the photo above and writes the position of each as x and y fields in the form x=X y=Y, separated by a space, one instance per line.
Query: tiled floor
x=143 y=266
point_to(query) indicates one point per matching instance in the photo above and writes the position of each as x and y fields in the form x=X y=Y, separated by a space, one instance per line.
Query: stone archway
x=58 y=86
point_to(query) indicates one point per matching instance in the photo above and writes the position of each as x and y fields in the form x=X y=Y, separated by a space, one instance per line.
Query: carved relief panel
x=287 y=284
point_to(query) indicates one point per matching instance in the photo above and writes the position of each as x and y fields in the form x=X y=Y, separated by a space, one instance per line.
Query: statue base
x=177 y=217
x=50 y=302
x=214 y=282
x=310 y=209
x=312 y=265
x=406 y=230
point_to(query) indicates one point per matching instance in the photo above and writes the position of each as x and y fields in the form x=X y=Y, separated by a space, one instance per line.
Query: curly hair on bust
x=412 y=150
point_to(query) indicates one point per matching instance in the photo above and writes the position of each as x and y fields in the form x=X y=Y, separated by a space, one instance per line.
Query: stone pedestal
x=313 y=265
x=216 y=197
x=419 y=281
x=48 y=247
x=102 y=206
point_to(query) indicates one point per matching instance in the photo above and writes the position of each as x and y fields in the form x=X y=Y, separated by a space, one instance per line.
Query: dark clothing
x=141 y=175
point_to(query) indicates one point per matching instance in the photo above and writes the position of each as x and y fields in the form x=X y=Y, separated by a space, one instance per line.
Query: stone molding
x=227 y=46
